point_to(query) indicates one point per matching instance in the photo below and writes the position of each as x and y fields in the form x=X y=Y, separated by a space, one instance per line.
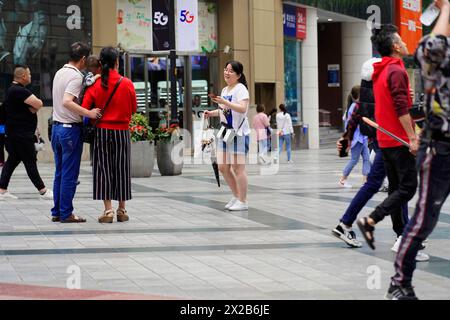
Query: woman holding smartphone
x=233 y=145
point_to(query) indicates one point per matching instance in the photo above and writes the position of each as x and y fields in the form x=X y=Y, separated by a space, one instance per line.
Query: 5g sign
x=185 y=16
x=160 y=18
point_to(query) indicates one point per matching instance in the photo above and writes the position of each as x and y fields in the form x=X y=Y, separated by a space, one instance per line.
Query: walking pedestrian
x=359 y=145
x=261 y=124
x=20 y=108
x=2 y=137
x=233 y=146
x=377 y=175
x=112 y=143
x=433 y=56
x=67 y=141
x=392 y=105
x=285 y=131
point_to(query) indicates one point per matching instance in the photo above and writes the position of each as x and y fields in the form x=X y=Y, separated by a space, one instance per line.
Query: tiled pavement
x=181 y=244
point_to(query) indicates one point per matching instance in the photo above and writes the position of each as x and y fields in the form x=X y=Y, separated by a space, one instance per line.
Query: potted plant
x=169 y=150
x=142 y=147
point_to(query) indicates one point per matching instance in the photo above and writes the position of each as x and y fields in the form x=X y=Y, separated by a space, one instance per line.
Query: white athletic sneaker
x=48 y=195
x=290 y=162
x=422 y=257
x=239 y=206
x=397 y=244
x=231 y=203
x=7 y=195
x=345 y=184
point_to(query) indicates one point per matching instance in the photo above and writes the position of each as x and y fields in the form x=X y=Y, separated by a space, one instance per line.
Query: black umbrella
x=216 y=169
x=213 y=159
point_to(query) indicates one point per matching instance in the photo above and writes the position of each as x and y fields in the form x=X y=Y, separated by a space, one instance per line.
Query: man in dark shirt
x=20 y=108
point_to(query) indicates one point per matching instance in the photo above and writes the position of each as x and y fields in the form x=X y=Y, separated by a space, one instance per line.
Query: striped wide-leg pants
x=112 y=165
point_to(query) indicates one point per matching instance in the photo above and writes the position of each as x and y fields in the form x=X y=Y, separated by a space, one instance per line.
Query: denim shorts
x=240 y=145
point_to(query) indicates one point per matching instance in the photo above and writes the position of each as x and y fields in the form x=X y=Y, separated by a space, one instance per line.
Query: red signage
x=408 y=13
x=301 y=23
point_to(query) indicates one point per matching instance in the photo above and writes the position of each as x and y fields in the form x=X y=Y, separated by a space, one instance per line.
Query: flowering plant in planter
x=139 y=129
x=164 y=134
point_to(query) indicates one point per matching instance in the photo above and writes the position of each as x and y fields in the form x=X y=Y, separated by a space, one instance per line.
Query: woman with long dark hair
x=234 y=143
x=112 y=146
x=285 y=131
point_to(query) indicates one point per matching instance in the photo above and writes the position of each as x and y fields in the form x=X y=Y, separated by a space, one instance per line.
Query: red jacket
x=118 y=114
x=392 y=99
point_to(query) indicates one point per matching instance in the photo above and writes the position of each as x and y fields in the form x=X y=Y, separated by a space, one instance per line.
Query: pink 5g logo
x=186 y=17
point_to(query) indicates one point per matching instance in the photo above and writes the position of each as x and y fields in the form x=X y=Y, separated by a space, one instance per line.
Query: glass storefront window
x=39 y=33
x=292 y=77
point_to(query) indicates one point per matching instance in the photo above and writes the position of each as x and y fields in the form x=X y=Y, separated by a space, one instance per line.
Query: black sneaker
x=349 y=237
x=396 y=292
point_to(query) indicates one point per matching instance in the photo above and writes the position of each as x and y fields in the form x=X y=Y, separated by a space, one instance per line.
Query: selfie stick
x=393 y=136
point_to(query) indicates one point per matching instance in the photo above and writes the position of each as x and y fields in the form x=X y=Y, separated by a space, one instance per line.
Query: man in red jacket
x=392 y=104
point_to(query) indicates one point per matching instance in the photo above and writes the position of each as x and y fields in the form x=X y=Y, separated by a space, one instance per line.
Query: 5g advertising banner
x=187 y=25
x=161 y=25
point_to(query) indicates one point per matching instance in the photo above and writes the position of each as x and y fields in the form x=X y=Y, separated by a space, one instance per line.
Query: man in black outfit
x=20 y=108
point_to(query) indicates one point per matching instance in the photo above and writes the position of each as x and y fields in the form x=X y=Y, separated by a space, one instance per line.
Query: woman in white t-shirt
x=285 y=130
x=233 y=108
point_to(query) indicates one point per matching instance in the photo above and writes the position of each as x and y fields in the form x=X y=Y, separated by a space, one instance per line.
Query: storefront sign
x=161 y=20
x=134 y=24
x=408 y=13
x=301 y=23
x=294 y=22
x=290 y=20
x=187 y=25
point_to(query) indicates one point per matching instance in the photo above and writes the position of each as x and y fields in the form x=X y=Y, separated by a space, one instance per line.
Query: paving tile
x=181 y=243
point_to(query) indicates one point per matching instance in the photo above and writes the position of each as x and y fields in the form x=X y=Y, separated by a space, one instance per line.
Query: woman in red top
x=112 y=146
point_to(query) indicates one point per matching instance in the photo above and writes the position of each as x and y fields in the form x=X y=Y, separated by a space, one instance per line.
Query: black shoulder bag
x=89 y=129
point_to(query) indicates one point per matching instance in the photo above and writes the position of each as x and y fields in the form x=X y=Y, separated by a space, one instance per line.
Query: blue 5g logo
x=186 y=17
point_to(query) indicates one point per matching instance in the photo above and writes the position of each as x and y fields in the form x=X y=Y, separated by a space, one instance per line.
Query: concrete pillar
x=356 y=49
x=310 y=80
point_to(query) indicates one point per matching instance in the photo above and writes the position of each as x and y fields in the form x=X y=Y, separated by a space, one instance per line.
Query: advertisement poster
x=161 y=34
x=134 y=24
x=207 y=27
x=187 y=25
x=39 y=33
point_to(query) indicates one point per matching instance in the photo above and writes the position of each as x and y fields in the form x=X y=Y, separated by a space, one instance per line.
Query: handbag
x=88 y=127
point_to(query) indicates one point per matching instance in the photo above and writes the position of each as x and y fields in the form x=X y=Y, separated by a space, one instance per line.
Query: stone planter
x=170 y=165
x=142 y=159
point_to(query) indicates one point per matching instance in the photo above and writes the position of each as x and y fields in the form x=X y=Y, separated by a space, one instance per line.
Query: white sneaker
x=397 y=244
x=231 y=203
x=422 y=257
x=7 y=195
x=290 y=162
x=345 y=184
x=239 y=206
x=48 y=195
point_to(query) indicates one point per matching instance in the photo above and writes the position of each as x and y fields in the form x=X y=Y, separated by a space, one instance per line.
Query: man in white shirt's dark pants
x=67 y=140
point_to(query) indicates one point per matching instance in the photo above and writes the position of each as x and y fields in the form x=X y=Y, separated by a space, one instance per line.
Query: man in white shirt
x=67 y=140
